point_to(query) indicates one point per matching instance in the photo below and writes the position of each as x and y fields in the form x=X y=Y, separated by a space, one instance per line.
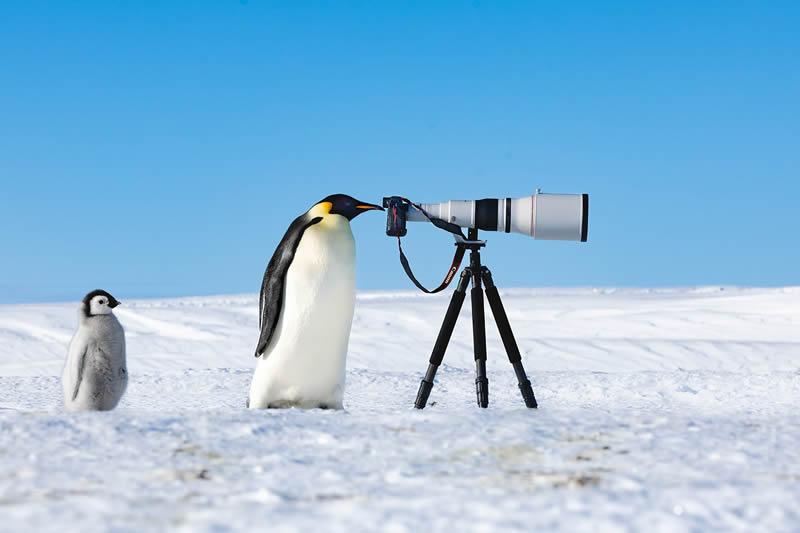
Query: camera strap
x=457 y=258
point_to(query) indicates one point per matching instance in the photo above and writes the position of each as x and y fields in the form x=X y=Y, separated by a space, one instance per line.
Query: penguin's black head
x=347 y=206
x=98 y=302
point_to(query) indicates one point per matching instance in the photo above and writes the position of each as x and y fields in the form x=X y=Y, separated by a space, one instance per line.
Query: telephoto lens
x=559 y=217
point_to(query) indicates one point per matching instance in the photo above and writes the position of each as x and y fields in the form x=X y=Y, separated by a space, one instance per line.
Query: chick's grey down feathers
x=81 y=363
x=95 y=375
x=271 y=297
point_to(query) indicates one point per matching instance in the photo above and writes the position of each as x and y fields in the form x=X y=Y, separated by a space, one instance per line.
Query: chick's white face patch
x=99 y=306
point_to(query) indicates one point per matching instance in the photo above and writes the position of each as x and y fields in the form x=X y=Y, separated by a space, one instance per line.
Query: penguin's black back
x=271 y=296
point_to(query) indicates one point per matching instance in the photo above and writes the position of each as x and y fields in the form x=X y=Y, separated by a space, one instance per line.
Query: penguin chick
x=95 y=375
x=306 y=309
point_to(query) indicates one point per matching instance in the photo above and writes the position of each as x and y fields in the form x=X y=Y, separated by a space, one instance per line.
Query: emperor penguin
x=306 y=309
x=95 y=375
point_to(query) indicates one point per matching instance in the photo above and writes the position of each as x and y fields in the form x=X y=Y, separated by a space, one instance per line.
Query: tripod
x=477 y=273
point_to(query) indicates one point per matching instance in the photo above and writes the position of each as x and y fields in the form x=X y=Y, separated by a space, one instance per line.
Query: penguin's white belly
x=304 y=365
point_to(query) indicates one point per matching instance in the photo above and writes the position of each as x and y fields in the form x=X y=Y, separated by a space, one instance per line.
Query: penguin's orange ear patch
x=321 y=209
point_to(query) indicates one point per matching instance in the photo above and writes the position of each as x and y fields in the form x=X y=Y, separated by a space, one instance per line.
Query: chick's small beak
x=113 y=304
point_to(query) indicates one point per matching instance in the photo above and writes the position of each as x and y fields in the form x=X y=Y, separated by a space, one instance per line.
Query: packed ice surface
x=660 y=410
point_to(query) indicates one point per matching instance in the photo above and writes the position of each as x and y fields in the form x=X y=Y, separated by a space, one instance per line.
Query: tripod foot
x=482 y=384
x=525 y=386
x=527 y=394
x=482 y=389
x=425 y=388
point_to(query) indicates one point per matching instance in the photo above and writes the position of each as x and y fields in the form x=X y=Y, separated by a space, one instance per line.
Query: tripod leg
x=508 y=338
x=479 y=340
x=442 y=340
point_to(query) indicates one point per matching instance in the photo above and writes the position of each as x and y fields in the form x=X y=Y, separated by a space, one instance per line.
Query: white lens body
x=558 y=217
x=553 y=217
x=459 y=212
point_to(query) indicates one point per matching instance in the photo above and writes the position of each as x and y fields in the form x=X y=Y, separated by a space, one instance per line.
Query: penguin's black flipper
x=271 y=297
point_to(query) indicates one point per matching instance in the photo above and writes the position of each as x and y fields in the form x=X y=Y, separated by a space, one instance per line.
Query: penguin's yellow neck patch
x=321 y=209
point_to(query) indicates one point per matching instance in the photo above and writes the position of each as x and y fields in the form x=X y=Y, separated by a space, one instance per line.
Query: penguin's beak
x=113 y=304
x=363 y=206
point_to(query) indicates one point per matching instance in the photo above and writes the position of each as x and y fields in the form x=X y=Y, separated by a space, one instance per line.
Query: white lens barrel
x=459 y=212
x=560 y=217
x=554 y=217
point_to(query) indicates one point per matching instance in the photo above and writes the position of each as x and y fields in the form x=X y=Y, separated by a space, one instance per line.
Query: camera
x=562 y=217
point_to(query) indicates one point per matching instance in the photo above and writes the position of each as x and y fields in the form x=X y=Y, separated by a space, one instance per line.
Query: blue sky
x=161 y=149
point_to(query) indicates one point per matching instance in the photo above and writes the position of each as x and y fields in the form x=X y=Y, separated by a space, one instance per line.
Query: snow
x=660 y=410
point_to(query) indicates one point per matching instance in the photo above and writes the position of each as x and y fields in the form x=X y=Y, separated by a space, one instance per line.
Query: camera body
x=563 y=217
x=396 y=216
